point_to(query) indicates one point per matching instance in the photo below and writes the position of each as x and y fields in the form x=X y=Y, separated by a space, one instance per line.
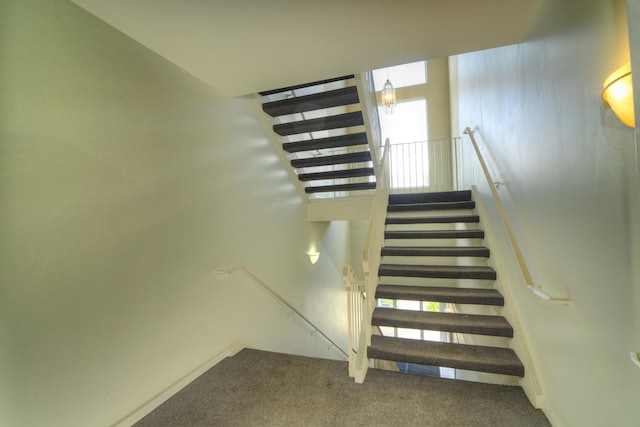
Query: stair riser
x=443 y=252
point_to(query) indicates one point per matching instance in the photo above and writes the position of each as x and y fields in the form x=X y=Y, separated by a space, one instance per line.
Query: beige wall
x=124 y=184
x=568 y=169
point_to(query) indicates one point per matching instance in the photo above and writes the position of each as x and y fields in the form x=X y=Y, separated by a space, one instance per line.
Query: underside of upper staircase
x=320 y=127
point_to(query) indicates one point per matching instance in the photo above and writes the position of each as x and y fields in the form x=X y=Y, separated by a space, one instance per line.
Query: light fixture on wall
x=388 y=97
x=618 y=95
x=313 y=256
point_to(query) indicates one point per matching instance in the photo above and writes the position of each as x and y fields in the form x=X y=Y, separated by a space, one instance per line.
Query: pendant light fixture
x=388 y=97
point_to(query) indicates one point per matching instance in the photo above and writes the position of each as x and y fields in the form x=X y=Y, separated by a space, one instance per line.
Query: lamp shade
x=618 y=94
x=388 y=98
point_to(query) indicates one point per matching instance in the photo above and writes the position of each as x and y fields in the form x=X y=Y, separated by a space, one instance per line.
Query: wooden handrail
x=536 y=289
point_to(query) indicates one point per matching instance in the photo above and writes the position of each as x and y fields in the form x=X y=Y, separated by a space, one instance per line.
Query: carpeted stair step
x=441 y=294
x=341 y=187
x=438 y=271
x=345 y=173
x=496 y=360
x=322 y=123
x=446 y=322
x=326 y=143
x=435 y=234
x=303 y=85
x=439 y=206
x=438 y=251
x=435 y=197
x=338 y=159
x=331 y=98
x=433 y=219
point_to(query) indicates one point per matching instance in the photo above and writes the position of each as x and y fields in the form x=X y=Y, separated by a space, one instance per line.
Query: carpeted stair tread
x=433 y=219
x=327 y=99
x=345 y=173
x=339 y=141
x=338 y=159
x=435 y=197
x=440 y=251
x=341 y=187
x=438 y=271
x=446 y=322
x=322 y=123
x=441 y=294
x=439 y=206
x=303 y=85
x=435 y=234
x=496 y=360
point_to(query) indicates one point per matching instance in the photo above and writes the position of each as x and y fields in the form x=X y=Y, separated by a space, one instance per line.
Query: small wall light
x=313 y=256
x=618 y=95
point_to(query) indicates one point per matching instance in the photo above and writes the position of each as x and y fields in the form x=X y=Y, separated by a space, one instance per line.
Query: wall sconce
x=618 y=95
x=313 y=256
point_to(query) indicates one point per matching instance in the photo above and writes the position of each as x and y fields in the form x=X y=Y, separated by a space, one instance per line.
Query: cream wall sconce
x=618 y=95
x=313 y=256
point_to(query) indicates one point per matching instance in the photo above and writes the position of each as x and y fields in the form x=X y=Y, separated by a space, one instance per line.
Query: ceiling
x=244 y=46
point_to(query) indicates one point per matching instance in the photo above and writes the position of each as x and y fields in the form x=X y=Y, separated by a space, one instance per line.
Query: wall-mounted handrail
x=228 y=270
x=537 y=289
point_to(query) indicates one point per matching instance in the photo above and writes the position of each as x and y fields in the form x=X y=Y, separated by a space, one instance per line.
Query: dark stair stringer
x=412 y=242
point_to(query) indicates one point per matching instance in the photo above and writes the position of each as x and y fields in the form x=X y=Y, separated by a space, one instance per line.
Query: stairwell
x=321 y=127
x=433 y=252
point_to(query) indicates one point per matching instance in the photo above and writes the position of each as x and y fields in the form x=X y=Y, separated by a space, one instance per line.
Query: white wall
x=124 y=184
x=567 y=166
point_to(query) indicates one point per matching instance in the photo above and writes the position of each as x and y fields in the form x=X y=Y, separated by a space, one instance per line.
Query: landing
x=256 y=388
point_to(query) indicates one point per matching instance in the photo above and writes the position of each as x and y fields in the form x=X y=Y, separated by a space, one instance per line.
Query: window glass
x=414 y=73
x=408 y=123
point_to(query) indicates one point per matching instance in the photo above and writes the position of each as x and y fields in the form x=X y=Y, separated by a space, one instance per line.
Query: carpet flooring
x=257 y=388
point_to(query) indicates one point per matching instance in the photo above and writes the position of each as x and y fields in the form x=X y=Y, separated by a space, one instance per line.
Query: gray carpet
x=257 y=388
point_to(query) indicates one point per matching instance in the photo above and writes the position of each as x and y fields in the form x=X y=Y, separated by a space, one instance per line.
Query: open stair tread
x=446 y=322
x=438 y=271
x=303 y=85
x=441 y=294
x=341 y=187
x=339 y=141
x=431 y=206
x=337 y=121
x=345 y=173
x=433 y=219
x=434 y=234
x=434 y=197
x=337 y=159
x=459 y=356
x=327 y=99
x=444 y=251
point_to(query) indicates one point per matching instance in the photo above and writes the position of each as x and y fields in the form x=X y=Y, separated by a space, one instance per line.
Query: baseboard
x=157 y=400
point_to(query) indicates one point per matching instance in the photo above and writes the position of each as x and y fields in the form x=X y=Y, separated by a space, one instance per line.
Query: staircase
x=432 y=254
x=321 y=127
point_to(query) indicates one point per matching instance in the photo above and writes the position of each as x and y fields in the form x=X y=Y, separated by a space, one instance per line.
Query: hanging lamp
x=388 y=97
